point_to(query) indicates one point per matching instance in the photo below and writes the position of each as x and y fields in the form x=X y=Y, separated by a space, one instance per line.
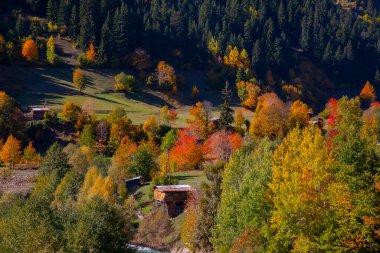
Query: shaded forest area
x=276 y=34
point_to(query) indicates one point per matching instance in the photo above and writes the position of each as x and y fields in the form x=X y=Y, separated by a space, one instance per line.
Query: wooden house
x=172 y=198
x=36 y=113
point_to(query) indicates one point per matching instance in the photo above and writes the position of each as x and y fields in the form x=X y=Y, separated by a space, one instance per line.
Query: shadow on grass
x=183 y=177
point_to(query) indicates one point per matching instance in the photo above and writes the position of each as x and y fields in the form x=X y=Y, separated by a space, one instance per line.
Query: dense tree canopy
x=267 y=33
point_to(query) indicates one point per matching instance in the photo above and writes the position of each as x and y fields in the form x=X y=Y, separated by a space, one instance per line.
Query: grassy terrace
x=53 y=86
x=193 y=178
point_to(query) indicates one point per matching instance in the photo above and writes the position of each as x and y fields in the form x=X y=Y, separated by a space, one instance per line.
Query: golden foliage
x=239 y=121
x=271 y=117
x=30 y=156
x=10 y=153
x=292 y=93
x=71 y=111
x=166 y=76
x=95 y=185
x=30 y=50
x=248 y=93
x=124 y=153
x=300 y=184
x=299 y=114
x=90 y=53
x=237 y=59
x=368 y=93
x=200 y=122
x=188 y=231
x=213 y=46
x=150 y=127
x=79 y=80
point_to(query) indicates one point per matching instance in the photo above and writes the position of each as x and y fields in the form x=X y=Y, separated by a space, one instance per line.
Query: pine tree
x=281 y=15
x=21 y=28
x=86 y=24
x=55 y=159
x=256 y=54
x=328 y=56
x=52 y=10
x=226 y=115
x=120 y=29
x=349 y=51
x=74 y=26
x=377 y=77
x=105 y=48
x=370 y=6
x=239 y=75
x=63 y=12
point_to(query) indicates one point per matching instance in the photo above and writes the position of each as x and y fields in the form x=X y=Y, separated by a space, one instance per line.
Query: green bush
x=125 y=82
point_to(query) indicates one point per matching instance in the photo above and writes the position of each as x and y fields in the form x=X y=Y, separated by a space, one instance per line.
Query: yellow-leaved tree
x=150 y=127
x=239 y=121
x=300 y=187
x=10 y=153
x=79 y=79
x=96 y=185
x=30 y=156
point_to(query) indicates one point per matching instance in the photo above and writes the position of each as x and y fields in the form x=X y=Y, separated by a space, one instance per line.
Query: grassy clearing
x=53 y=87
x=193 y=178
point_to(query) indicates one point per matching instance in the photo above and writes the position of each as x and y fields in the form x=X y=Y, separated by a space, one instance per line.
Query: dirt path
x=66 y=52
x=19 y=182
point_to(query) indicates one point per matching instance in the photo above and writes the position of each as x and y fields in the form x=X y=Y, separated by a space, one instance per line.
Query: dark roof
x=133 y=179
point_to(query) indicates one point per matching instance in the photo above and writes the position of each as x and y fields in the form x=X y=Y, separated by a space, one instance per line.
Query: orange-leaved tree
x=368 y=93
x=124 y=153
x=30 y=50
x=271 y=117
x=166 y=76
x=172 y=116
x=187 y=153
x=91 y=53
x=299 y=114
x=10 y=153
x=248 y=93
x=220 y=145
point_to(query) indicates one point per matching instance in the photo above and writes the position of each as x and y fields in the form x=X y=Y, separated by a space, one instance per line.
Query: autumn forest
x=224 y=126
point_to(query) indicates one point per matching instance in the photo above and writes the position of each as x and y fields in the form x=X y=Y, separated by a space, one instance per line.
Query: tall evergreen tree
x=105 y=48
x=226 y=115
x=120 y=29
x=74 y=23
x=86 y=23
x=52 y=10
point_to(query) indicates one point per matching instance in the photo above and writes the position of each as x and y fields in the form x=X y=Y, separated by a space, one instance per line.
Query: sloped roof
x=174 y=188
